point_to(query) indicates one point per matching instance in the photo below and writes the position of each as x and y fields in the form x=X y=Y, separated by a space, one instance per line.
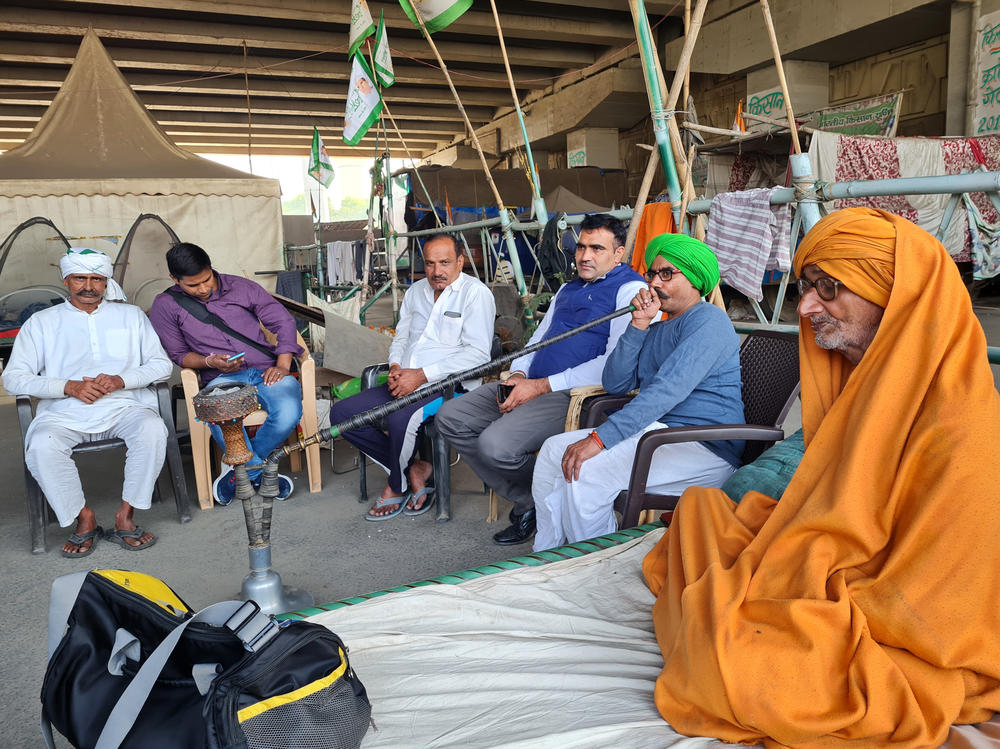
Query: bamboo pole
x=653 y=76
x=781 y=76
x=508 y=236
x=686 y=93
x=712 y=130
x=536 y=184
x=640 y=201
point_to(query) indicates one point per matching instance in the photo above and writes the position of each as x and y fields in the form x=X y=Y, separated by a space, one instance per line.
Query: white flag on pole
x=437 y=14
x=364 y=104
x=382 y=58
x=320 y=168
x=362 y=26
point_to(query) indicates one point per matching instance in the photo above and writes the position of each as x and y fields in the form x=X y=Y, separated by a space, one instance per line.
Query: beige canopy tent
x=97 y=161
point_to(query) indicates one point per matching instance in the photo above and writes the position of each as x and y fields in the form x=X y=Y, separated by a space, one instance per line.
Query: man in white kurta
x=445 y=326
x=89 y=361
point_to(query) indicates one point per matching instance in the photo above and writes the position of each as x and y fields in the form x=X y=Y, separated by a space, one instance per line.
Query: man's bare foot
x=384 y=505
x=86 y=524
x=124 y=522
x=420 y=473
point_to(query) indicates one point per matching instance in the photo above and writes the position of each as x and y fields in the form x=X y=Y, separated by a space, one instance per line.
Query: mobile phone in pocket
x=503 y=391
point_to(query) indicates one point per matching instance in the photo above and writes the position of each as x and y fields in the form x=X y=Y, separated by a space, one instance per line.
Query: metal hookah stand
x=227 y=408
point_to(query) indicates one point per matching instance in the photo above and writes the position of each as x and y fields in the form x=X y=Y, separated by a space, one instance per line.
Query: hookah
x=227 y=408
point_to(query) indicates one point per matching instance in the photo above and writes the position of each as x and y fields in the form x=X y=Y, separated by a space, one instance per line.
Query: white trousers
x=566 y=512
x=49 y=457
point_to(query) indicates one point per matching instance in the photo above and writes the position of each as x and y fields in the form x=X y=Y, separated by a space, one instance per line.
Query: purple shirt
x=241 y=304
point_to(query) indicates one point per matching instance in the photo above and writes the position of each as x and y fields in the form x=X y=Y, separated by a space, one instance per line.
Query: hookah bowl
x=227 y=407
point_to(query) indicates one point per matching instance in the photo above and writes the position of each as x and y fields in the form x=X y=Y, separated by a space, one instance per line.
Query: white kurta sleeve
x=21 y=375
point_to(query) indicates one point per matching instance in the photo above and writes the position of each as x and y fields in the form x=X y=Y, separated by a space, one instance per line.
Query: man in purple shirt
x=244 y=306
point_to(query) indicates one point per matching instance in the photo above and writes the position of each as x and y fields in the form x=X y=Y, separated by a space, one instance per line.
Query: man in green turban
x=687 y=369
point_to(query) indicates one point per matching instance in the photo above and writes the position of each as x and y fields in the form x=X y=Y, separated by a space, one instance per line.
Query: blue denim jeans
x=283 y=403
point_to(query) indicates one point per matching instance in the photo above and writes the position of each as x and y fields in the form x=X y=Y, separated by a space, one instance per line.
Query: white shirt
x=588 y=372
x=65 y=343
x=446 y=336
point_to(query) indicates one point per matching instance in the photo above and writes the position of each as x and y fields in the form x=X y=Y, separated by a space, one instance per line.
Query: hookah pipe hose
x=375 y=414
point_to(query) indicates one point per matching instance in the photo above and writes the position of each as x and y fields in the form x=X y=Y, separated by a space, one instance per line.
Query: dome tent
x=96 y=161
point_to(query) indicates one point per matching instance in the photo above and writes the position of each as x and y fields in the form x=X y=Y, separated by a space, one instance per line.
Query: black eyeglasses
x=826 y=287
x=665 y=274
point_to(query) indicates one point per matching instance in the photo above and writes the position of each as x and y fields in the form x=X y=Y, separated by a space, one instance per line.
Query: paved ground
x=321 y=543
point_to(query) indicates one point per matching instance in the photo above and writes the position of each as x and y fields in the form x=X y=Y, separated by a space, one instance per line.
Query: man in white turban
x=89 y=362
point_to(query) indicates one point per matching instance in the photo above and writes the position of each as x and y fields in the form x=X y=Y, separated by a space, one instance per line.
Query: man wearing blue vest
x=498 y=440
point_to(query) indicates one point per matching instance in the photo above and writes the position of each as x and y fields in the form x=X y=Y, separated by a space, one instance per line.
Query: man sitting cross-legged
x=498 y=440
x=89 y=361
x=687 y=369
x=445 y=326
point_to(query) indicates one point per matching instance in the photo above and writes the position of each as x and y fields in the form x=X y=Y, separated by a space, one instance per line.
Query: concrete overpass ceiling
x=185 y=59
x=909 y=27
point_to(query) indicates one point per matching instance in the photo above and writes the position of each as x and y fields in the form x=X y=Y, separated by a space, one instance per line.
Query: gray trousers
x=500 y=448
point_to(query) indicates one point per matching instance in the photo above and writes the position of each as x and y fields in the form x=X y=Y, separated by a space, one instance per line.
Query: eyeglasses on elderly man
x=825 y=286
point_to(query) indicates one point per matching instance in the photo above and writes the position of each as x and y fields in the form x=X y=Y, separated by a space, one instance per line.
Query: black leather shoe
x=522 y=529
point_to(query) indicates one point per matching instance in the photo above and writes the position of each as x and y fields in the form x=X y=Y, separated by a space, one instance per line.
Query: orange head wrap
x=856 y=246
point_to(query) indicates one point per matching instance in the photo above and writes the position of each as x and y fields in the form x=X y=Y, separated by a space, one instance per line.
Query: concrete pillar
x=959 y=51
x=808 y=86
x=593 y=146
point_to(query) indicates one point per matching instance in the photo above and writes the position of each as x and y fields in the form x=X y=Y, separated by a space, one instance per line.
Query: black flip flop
x=91 y=536
x=118 y=537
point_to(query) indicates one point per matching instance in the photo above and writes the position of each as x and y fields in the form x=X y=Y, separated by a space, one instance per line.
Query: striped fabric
x=749 y=236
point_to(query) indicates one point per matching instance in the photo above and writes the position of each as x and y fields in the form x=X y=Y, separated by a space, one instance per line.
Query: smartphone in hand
x=503 y=391
x=236 y=357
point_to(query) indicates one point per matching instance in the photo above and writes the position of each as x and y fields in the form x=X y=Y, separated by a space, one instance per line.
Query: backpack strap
x=246 y=621
x=201 y=313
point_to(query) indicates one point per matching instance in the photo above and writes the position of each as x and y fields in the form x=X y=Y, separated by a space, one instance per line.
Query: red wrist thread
x=597 y=439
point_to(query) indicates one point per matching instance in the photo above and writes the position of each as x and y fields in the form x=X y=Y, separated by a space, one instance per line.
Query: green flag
x=320 y=168
x=362 y=26
x=364 y=103
x=437 y=14
x=382 y=58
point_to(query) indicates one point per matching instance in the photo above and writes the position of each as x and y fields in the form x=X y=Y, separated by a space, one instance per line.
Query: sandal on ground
x=381 y=502
x=91 y=536
x=410 y=509
x=118 y=537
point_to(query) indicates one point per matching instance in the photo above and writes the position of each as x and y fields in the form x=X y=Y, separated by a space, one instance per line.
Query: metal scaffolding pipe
x=947 y=184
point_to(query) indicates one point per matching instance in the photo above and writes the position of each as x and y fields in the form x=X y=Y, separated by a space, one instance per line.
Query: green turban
x=690 y=256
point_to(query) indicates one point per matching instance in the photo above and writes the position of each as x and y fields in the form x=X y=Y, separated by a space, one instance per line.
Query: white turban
x=84 y=260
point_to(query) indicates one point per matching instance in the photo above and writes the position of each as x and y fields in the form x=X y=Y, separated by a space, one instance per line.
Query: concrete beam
x=13 y=76
x=181 y=31
x=321 y=12
x=156 y=102
x=613 y=98
x=736 y=41
x=136 y=58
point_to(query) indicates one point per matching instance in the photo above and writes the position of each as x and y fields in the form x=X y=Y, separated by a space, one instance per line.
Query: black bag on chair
x=131 y=665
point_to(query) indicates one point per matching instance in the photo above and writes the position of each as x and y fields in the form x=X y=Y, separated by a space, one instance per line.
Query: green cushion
x=770 y=473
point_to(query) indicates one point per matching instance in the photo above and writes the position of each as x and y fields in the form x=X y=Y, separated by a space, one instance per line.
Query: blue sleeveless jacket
x=579 y=303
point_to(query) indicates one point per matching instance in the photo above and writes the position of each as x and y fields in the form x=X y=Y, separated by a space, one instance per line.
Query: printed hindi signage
x=986 y=115
x=876 y=116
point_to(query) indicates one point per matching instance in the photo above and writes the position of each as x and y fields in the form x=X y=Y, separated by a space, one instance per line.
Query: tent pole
x=536 y=184
x=505 y=220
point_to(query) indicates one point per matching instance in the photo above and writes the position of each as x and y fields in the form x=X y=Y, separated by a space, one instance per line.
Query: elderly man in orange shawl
x=863 y=609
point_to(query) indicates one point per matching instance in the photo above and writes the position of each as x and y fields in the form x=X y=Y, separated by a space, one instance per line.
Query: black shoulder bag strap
x=201 y=313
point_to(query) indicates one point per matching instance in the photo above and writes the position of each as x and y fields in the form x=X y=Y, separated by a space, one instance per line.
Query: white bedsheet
x=561 y=655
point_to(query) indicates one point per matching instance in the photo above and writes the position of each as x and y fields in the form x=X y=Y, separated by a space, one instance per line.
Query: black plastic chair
x=39 y=513
x=769 y=361
x=431 y=445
